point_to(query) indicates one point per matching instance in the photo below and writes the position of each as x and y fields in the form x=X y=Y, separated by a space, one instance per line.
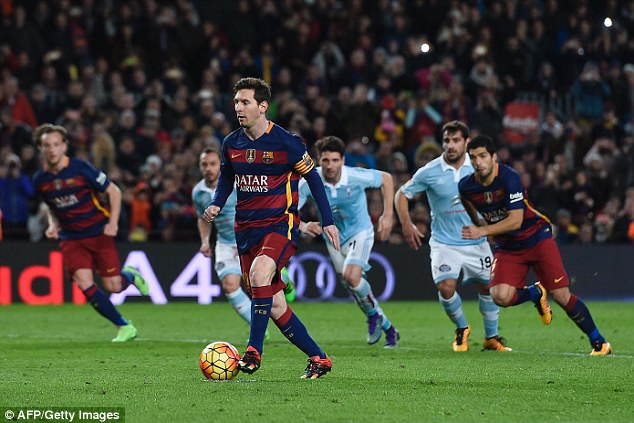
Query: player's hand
x=413 y=236
x=472 y=232
x=210 y=213
x=332 y=233
x=312 y=229
x=111 y=229
x=385 y=226
x=205 y=249
x=52 y=232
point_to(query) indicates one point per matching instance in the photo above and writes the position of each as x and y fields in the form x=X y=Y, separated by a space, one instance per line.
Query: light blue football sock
x=368 y=303
x=490 y=312
x=241 y=303
x=453 y=308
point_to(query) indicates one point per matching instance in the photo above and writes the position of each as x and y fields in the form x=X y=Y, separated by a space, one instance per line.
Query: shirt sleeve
x=417 y=184
x=95 y=178
x=298 y=157
x=514 y=191
x=225 y=179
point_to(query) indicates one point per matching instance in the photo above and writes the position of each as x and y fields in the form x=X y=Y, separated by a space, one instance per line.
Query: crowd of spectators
x=144 y=85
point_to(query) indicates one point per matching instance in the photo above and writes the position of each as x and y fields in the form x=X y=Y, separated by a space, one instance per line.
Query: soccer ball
x=219 y=361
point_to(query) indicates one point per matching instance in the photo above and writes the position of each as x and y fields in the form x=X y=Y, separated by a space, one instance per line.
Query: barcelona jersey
x=494 y=201
x=266 y=174
x=72 y=196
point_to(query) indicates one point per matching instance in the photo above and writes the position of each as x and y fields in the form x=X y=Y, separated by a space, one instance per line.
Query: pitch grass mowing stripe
x=62 y=356
x=339 y=346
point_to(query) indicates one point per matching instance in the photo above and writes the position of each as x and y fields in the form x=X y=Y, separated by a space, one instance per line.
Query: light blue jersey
x=347 y=199
x=440 y=181
x=202 y=195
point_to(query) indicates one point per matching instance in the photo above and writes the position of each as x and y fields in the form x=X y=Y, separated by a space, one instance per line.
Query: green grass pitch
x=61 y=356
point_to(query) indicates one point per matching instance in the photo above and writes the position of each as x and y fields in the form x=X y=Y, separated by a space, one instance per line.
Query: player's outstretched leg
x=133 y=276
x=294 y=330
x=102 y=304
x=453 y=309
x=378 y=322
x=490 y=313
x=579 y=313
x=289 y=290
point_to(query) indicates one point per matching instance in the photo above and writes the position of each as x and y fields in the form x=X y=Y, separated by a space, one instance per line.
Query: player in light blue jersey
x=227 y=262
x=345 y=188
x=451 y=256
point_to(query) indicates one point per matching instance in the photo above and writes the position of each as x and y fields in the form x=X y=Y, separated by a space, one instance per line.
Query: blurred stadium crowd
x=143 y=85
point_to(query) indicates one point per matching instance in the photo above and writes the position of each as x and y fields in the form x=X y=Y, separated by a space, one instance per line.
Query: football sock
x=241 y=303
x=127 y=279
x=490 y=312
x=295 y=331
x=100 y=302
x=579 y=313
x=260 y=312
x=365 y=298
x=528 y=293
x=453 y=308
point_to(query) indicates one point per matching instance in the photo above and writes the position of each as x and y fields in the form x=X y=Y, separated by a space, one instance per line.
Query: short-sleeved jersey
x=347 y=199
x=266 y=174
x=440 y=181
x=72 y=196
x=224 y=222
x=494 y=201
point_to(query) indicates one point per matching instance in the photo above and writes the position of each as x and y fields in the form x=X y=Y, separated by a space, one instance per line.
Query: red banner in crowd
x=520 y=121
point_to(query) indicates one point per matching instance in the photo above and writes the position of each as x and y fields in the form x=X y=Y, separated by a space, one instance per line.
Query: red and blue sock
x=295 y=331
x=100 y=302
x=529 y=293
x=579 y=313
x=261 y=303
x=127 y=279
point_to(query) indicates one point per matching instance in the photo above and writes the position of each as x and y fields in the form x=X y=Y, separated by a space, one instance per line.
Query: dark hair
x=330 y=143
x=262 y=90
x=455 y=126
x=211 y=150
x=482 y=141
x=47 y=128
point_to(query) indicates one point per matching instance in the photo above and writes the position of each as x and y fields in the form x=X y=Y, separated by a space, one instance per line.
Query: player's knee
x=502 y=301
x=230 y=284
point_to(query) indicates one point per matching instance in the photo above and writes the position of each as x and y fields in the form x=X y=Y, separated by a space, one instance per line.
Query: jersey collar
x=446 y=166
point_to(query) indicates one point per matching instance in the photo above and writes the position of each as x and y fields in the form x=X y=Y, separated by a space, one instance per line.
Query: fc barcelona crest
x=58 y=184
x=267 y=157
x=488 y=197
x=250 y=155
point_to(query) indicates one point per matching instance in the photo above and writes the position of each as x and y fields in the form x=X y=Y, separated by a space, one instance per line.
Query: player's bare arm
x=512 y=222
x=211 y=213
x=114 y=199
x=411 y=233
x=386 y=220
x=312 y=229
x=332 y=233
x=204 y=229
x=472 y=212
x=52 y=231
